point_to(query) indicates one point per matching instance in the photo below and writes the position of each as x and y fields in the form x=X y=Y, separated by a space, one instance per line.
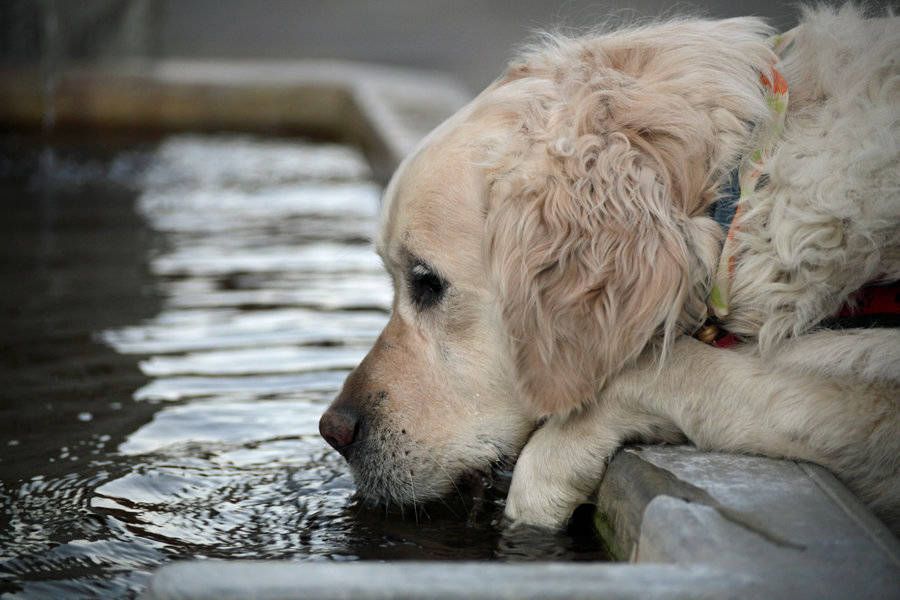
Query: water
x=178 y=313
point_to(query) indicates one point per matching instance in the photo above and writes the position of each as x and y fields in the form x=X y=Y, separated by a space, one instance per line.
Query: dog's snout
x=345 y=421
x=340 y=428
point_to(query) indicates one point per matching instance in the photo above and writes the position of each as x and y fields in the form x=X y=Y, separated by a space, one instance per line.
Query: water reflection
x=272 y=295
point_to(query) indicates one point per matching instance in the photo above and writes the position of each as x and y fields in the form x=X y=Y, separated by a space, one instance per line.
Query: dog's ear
x=597 y=229
x=591 y=263
x=598 y=235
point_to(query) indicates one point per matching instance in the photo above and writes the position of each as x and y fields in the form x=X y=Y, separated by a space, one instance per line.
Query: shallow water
x=178 y=313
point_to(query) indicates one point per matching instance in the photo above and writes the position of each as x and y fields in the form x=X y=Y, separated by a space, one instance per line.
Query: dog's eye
x=425 y=286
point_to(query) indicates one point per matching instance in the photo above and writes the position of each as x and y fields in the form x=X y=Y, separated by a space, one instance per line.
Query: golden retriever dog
x=552 y=253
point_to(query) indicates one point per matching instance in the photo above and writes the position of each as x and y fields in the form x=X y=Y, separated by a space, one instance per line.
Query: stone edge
x=383 y=110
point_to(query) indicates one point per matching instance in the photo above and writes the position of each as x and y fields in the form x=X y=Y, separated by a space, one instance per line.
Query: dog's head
x=542 y=239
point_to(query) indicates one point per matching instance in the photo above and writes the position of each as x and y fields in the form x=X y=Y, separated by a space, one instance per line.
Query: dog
x=553 y=253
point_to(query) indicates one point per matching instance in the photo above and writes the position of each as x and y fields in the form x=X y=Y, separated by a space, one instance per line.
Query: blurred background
x=471 y=39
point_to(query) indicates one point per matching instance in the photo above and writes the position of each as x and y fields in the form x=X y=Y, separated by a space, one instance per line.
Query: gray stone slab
x=789 y=522
x=219 y=580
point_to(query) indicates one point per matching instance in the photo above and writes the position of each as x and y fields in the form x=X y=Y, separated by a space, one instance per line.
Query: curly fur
x=598 y=223
x=827 y=221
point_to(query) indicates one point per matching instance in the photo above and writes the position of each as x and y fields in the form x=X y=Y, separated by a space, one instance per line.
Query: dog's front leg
x=564 y=461
x=559 y=468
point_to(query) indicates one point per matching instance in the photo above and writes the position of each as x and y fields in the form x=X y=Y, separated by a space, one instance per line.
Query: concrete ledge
x=384 y=110
x=219 y=580
x=791 y=523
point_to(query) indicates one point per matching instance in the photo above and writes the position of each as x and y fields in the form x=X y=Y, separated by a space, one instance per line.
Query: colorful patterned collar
x=751 y=169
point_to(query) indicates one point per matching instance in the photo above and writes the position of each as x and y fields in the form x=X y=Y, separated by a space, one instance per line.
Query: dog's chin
x=384 y=487
x=490 y=482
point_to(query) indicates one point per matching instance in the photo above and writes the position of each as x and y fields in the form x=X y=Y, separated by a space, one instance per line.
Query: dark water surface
x=176 y=314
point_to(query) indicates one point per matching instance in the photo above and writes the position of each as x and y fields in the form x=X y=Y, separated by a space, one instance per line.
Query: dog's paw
x=542 y=492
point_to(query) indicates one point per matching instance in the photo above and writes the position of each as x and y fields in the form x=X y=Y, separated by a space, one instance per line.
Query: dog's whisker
x=412 y=484
x=447 y=475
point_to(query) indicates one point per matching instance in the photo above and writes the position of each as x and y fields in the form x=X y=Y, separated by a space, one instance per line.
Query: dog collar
x=722 y=210
x=873 y=305
x=743 y=185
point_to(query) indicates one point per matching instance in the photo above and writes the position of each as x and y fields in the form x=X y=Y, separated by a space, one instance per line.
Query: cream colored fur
x=827 y=221
x=566 y=210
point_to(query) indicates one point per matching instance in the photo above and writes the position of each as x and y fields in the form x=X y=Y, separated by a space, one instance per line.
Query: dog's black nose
x=340 y=428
